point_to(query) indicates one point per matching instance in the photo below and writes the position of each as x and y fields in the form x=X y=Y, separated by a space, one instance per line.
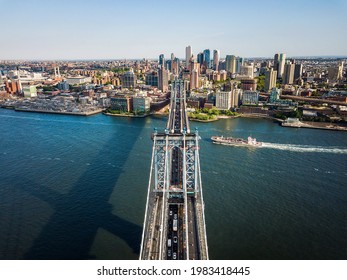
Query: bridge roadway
x=151 y=248
x=174 y=247
x=174 y=226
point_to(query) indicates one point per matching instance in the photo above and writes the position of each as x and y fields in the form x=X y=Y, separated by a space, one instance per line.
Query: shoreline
x=84 y=114
x=219 y=117
x=259 y=116
x=203 y=121
x=324 y=126
x=250 y=116
x=310 y=125
x=125 y=115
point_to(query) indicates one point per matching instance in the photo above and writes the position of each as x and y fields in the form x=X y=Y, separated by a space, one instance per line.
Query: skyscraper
x=297 y=71
x=275 y=67
x=172 y=62
x=239 y=63
x=281 y=63
x=168 y=64
x=230 y=64
x=194 y=79
x=188 y=55
x=193 y=65
x=288 y=74
x=175 y=66
x=270 y=79
x=163 y=79
x=207 y=58
x=216 y=57
x=161 y=59
x=200 y=58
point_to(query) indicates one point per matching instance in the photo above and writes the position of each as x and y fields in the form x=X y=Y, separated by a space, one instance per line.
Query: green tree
x=260 y=82
x=213 y=111
x=48 y=88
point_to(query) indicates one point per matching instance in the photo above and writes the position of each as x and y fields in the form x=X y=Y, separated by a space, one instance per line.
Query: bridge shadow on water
x=79 y=214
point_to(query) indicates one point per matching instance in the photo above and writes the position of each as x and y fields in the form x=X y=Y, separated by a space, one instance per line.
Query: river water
x=75 y=188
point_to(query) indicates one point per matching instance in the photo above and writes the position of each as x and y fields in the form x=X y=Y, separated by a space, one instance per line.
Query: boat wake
x=305 y=148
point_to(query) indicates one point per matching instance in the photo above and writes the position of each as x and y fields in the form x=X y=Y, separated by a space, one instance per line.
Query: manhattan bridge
x=174 y=225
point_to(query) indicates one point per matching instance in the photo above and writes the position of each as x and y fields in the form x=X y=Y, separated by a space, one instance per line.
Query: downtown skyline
x=88 y=30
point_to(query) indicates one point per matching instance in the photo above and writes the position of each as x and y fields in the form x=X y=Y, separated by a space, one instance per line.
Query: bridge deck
x=174 y=226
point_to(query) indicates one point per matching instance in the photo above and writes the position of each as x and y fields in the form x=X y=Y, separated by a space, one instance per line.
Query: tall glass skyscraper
x=230 y=64
x=207 y=58
x=188 y=55
x=281 y=63
x=216 y=57
x=200 y=58
x=239 y=63
x=161 y=59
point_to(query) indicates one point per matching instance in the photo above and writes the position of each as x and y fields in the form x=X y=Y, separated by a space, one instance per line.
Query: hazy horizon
x=153 y=58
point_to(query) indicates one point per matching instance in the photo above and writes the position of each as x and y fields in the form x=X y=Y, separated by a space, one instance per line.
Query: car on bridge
x=174 y=225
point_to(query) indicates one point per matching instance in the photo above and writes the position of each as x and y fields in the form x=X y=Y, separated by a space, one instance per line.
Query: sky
x=113 y=29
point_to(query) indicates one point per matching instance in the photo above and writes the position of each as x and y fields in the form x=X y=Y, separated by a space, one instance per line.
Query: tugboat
x=239 y=142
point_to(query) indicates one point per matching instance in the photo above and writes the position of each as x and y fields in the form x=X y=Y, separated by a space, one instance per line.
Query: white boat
x=229 y=141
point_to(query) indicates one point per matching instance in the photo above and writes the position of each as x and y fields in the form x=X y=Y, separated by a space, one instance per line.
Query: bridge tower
x=174 y=224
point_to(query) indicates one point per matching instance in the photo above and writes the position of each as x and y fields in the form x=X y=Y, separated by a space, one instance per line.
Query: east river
x=75 y=188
